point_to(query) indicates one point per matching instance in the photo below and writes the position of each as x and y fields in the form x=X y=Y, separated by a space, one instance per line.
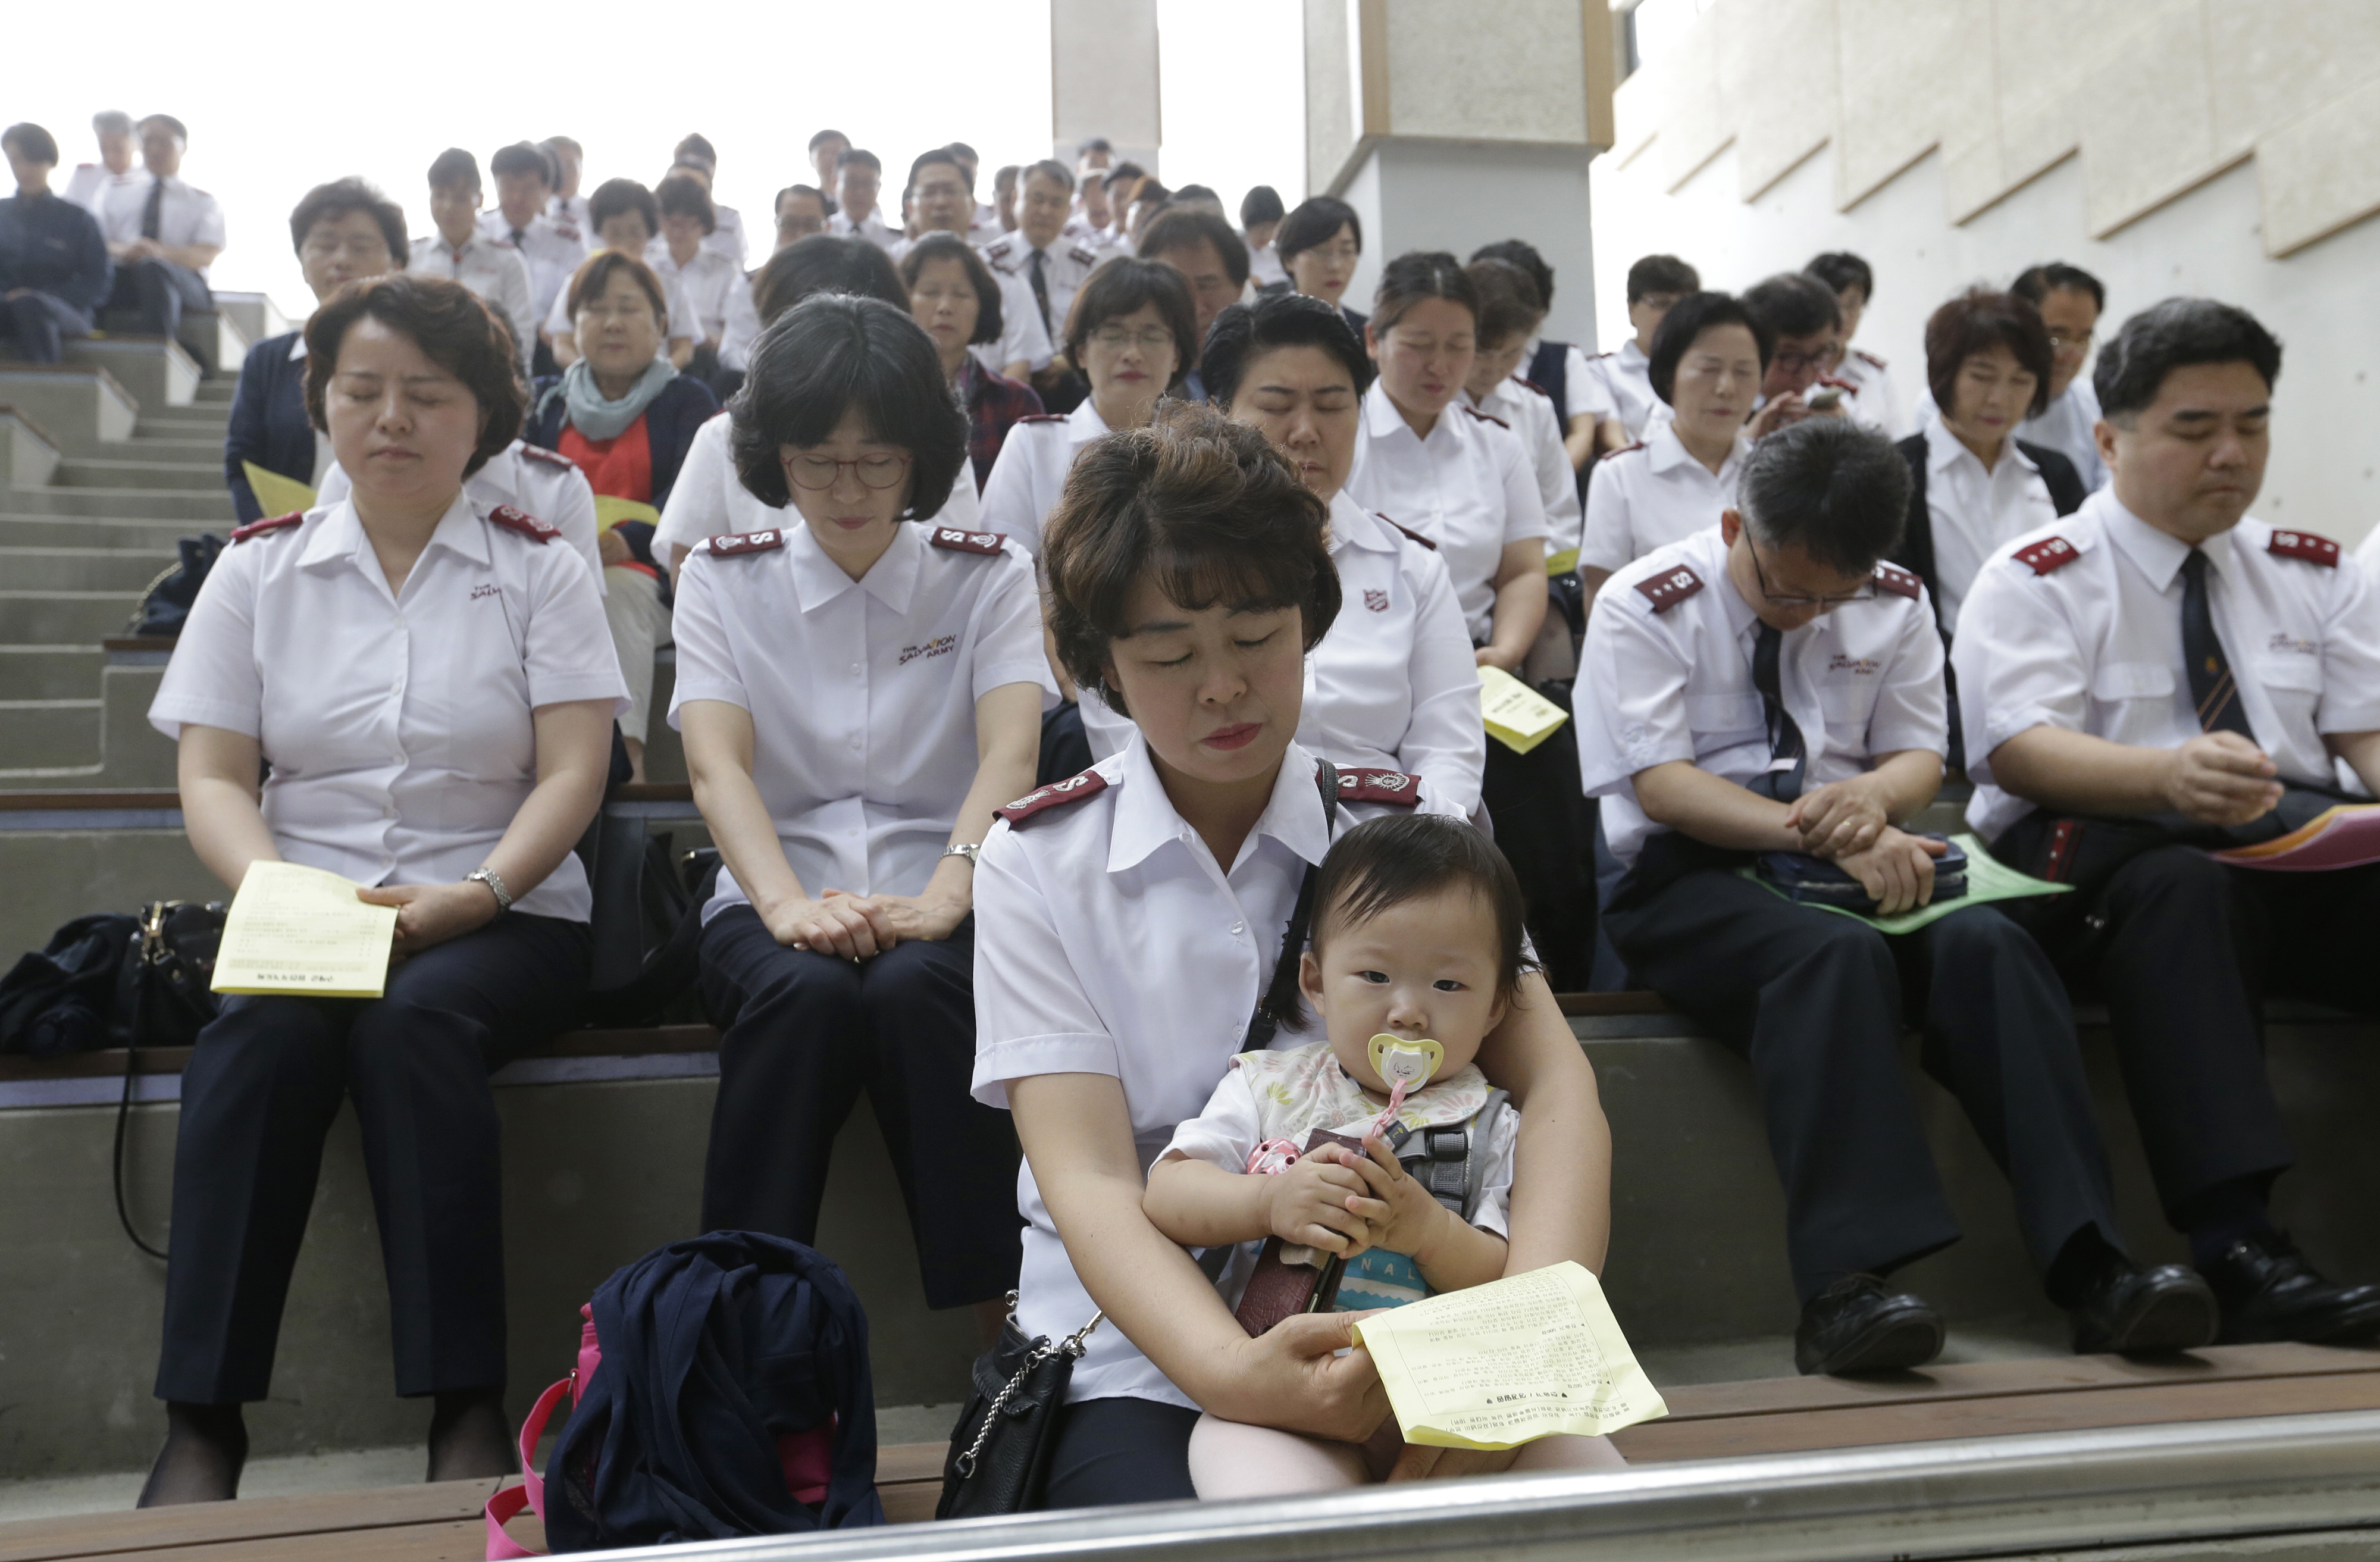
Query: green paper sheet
x=1989 y=879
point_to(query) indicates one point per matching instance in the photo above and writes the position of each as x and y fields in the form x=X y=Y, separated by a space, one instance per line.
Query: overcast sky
x=280 y=96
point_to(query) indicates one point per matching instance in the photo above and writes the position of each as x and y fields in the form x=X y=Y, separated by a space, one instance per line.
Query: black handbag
x=163 y=997
x=165 y=602
x=999 y=1460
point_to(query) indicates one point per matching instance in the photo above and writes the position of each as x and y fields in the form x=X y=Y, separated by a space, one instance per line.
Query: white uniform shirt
x=1622 y=388
x=726 y=239
x=683 y=322
x=2094 y=645
x=1649 y=496
x=399 y=728
x=1394 y=686
x=1029 y=476
x=871 y=228
x=709 y=282
x=570 y=216
x=553 y=253
x=1065 y=265
x=1109 y=941
x=2066 y=427
x=1529 y=413
x=187 y=216
x=1469 y=488
x=543 y=484
x=1976 y=513
x=710 y=500
x=1675 y=683
x=491 y=268
x=1877 y=404
x=862 y=692
x=743 y=327
x=94 y=188
x=1265 y=269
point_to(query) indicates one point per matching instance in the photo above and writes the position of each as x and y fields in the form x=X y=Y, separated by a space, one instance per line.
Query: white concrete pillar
x=1103 y=78
x=1448 y=127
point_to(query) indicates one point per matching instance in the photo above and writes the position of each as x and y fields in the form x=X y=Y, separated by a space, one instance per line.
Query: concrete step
x=75 y=402
x=149 y=443
x=125 y=472
x=45 y=734
x=215 y=392
x=210 y=503
x=199 y=420
x=157 y=373
x=29 y=457
x=79 y=569
x=94 y=531
x=64 y=617
x=50 y=672
x=255 y=315
x=132 y=752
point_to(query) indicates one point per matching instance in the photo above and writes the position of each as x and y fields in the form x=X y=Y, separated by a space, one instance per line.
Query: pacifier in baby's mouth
x=1406 y=1065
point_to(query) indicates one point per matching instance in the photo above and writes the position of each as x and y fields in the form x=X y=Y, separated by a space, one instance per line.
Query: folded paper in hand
x=2344 y=836
x=1529 y=1355
x=300 y=930
x=1518 y=717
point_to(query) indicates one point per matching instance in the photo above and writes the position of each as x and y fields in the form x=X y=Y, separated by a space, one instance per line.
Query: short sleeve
x=1008 y=646
x=1031 y=1013
x=1495 y=1211
x=1224 y=1132
x=697 y=506
x=210 y=223
x=574 y=517
x=1605 y=541
x=1631 y=709
x=1524 y=508
x=2350 y=656
x=569 y=654
x=1585 y=389
x=212 y=678
x=705 y=660
x=1008 y=503
x=1912 y=709
x=2019 y=663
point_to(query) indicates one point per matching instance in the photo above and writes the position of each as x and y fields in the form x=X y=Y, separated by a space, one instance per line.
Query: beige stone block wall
x=1513 y=71
x=2321 y=172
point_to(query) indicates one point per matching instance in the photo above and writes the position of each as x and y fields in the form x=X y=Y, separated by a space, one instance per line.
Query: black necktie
x=2211 y=684
x=520 y=238
x=1784 y=732
x=153 y=216
x=1041 y=292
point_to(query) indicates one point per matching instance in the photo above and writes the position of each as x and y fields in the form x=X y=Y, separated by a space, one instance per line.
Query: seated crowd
x=1079 y=610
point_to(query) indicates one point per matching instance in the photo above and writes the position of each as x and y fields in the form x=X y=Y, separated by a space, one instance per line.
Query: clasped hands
x=1846 y=823
x=860 y=927
x=1340 y=1202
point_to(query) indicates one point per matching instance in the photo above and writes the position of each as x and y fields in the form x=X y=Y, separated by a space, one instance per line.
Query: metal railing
x=2188 y=1489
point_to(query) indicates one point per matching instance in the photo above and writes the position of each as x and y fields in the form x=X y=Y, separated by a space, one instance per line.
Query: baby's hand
x=1414 y=1222
x=1324 y=1204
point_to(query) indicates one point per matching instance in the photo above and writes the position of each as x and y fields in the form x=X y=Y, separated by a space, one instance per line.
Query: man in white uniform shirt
x=1039 y=253
x=524 y=188
x=628 y=219
x=695 y=155
x=2156 y=675
x=859 y=179
x=568 y=207
x=460 y=252
x=945 y=203
x=163 y=233
x=1877 y=401
x=826 y=150
x=90 y=185
x=1654 y=285
x=1768 y=691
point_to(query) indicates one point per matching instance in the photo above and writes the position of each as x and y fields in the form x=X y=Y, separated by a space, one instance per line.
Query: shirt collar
x=1943 y=449
x=2159 y=554
x=341 y=537
x=1353 y=526
x=1084 y=424
x=1383 y=421
x=818 y=579
x=297 y=347
x=1631 y=357
x=1145 y=818
x=1665 y=452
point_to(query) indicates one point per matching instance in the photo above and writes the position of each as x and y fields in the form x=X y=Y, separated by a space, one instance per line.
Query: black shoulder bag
x=164 y=996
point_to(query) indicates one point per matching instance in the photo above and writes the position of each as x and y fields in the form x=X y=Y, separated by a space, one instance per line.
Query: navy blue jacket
x=268 y=421
x=50 y=244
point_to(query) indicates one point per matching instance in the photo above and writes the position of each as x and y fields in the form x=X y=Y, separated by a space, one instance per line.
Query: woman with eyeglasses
x=857 y=689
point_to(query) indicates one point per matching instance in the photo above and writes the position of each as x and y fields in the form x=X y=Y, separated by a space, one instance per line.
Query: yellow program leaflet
x=1530 y=1355
x=300 y=930
x=610 y=510
x=278 y=495
x=1517 y=716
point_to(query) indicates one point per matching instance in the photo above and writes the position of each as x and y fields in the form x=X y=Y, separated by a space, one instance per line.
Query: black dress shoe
x=2135 y=1311
x=2269 y=1292
x=1857 y=1326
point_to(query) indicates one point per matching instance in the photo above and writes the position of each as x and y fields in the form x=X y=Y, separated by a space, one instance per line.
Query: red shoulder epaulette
x=1410 y=532
x=1898 y=581
x=259 y=528
x=960 y=541
x=1394 y=786
x=1487 y=418
x=2050 y=553
x=1043 y=418
x=1670 y=587
x=733 y=542
x=2291 y=545
x=1073 y=789
x=551 y=457
x=1622 y=451
x=1866 y=357
x=528 y=526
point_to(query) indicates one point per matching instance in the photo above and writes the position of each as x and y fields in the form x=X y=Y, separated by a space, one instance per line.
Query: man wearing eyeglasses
x=1768 y=689
x=2070 y=301
x=1806 y=320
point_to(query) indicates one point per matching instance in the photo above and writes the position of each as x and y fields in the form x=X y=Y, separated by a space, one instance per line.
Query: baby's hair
x=1385 y=862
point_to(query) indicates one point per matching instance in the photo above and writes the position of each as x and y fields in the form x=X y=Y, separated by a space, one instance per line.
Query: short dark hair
x=1261 y=204
x=1311 y=222
x=594 y=275
x=1835 y=489
x=815 y=193
x=951 y=247
x=1689 y=318
x=617 y=198
x=454 y=166
x=1204 y=507
x=32 y=143
x=1417 y=275
x=2034 y=283
x=858 y=155
x=939 y=157
x=522 y=157
x=682 y=195
x=1839 y=268
x=1094 y=143
x=453 y=329
x=1661 y=273
x=695 y=148
x=1522 y=254
x=1127 y=169
x=1197 y=193
x=1048 y=168
x=831 y=355
x=1971 y=323
x=1509 y=305
x=964 y=153
x=1243 y=333
x=1009 y=174
x=1386 y=863
x=1124 y=286
x=826 y=262
x=1182 y=228
x=1793 y=304
x=562 y=143
x=824 y=136
x=327 y=202
x=2175 y=334
x=181 y=131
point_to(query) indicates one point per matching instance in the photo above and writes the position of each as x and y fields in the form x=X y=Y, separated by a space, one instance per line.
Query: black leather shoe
x=2269 y=1292
x=2135 y=1311
x=1857 y=1326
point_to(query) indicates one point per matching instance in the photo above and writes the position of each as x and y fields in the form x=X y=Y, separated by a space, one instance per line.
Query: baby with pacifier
x=1417 y=951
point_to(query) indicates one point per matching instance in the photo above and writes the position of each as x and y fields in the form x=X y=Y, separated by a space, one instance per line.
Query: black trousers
x=2183 y=951
x=1818 y=1003
x=38 y=324
x=160 y=291
x=1534 y=802
x=263 y=1085
x=803 y=1034
x=1112 y=1451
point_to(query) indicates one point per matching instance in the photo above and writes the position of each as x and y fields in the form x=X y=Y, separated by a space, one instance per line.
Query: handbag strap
x=123 y=1031
x=530 y=1494
x=1278 y=1003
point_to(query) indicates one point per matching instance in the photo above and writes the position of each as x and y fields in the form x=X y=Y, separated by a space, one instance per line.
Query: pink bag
x=809 y=1456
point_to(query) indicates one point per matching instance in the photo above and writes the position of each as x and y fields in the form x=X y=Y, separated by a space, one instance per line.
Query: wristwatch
x=968 y=849
x=496 y=887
